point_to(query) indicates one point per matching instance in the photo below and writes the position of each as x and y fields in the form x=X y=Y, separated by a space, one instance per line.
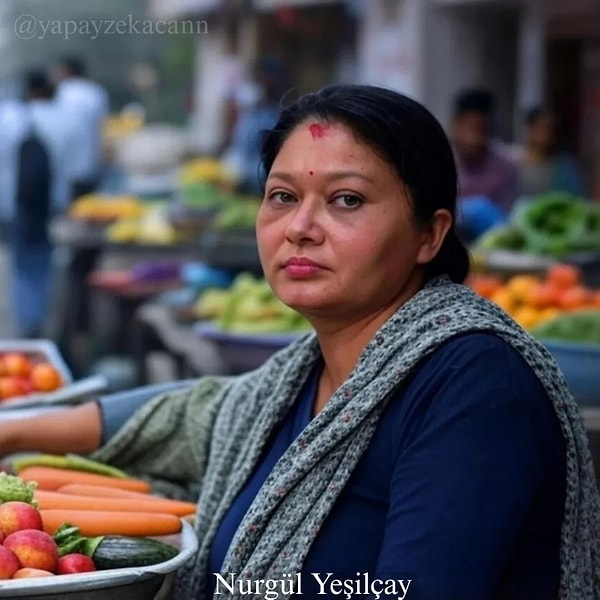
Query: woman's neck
x=342 y=346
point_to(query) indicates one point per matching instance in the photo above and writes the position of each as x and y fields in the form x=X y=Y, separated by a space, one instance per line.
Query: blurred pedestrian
x=487 y=177
x=542 y=166
x=259 y=105
x=87 y=101
x=482 y=169
x=36 y=144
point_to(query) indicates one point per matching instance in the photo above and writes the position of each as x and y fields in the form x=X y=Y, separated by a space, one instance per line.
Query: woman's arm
x=77 y=430
x=465 y=485
x=80 y=430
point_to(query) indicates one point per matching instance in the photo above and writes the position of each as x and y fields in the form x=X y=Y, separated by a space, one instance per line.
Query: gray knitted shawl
x=216 y=433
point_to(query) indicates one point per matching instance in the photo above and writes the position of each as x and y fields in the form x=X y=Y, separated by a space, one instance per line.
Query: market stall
x=543 y=268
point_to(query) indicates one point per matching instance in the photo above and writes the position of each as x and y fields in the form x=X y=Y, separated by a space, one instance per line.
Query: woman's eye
x=281 y=197
x=348 y=201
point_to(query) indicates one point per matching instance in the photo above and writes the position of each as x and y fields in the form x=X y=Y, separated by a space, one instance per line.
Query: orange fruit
x=10 y=387
x=16 y=364
x=45 y=378
x=520 y=286
x=504 y=299
x=485 y=285
x=544 y=295
x=563 y=276
x=574 y=298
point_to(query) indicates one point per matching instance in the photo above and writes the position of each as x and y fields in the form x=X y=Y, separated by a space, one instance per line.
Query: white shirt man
x=87 y=103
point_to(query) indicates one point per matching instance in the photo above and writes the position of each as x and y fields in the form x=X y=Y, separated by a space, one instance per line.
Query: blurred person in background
x=487 y=177
x=34 y=155
x=87 y=104
x=258 y=101
x=542 y=166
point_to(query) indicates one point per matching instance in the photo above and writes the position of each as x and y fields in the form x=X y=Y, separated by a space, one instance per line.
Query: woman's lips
x=301 y=268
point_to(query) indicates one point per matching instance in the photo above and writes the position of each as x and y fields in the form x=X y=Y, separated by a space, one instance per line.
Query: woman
x=542 y=168
x=419 y=436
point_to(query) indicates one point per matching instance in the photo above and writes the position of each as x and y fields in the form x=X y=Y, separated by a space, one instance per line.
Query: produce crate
x=142 y=583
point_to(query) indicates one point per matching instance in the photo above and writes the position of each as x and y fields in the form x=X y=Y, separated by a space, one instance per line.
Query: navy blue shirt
x=461 y=490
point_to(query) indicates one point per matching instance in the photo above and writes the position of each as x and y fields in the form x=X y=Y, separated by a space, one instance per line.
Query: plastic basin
x=580 y=364
x=142 y=583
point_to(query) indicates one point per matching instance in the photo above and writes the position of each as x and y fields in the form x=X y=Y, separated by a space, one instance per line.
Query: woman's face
x=336 y=233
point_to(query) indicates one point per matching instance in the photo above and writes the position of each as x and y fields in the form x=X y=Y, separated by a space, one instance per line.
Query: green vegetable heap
x=13 y=489
x=554 y=224
x=582 y=327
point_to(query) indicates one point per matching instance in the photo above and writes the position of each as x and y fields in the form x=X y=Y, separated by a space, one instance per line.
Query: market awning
x=176 y=9
x=275 y=4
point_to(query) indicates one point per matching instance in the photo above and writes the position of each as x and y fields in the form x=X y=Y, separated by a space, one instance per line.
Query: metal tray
x=142 y=583
x=41 y=349
x=46 y=350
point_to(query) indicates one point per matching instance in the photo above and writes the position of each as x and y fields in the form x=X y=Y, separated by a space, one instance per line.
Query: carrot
x=56 y=500
x=51 y=478
x=93 y=523
x=103 y=491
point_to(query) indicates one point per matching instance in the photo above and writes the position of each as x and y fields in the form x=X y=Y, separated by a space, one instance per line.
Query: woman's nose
x=305 y=224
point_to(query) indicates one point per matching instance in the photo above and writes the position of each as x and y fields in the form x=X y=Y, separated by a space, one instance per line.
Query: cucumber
x=73 y=462
x=117 y=552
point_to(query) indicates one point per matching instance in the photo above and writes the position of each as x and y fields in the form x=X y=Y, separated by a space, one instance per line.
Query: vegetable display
x=532 y=300
x=249 y=306
x=554 y=225
x=581 y=327
x=81 y=528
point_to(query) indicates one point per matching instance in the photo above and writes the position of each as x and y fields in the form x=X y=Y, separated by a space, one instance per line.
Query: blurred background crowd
x=142 y=139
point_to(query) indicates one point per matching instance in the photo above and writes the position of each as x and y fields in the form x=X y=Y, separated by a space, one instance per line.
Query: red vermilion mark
x=317 y=130
x=311 y=172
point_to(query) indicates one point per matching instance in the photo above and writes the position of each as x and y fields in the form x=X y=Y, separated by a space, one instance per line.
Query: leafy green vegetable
x=13 y=488
x=557 y=224
x=581 y=327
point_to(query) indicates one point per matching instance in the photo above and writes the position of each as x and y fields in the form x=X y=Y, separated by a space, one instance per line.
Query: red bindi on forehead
x=317 y=130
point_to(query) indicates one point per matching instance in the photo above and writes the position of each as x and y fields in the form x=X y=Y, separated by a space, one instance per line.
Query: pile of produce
x=218 y=208
x=204 y=170
x=119 y=125
x=67 y=514
x=554 y=225
x=249 y=306
x=532 y=300
x=80 y=527
x=22 y=375
x=582 y=327
x=102 y=208
x=152 y=227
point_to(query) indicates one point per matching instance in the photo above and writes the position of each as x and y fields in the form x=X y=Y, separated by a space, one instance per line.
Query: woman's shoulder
x=472 y=367
x=473 y=378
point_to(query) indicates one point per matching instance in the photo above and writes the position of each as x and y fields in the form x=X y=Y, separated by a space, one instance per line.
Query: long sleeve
x=167 y=439
x=462 y=491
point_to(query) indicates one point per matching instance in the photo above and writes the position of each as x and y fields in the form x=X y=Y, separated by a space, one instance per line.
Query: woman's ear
x=434 y=235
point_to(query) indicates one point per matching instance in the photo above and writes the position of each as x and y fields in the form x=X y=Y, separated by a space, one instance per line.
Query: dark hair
x=73 y=65
x=474 y=100
x=38 y=82
x=533 y=115
x=406 y=135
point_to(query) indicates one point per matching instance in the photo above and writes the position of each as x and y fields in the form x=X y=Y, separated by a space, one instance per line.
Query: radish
x=75 y=563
